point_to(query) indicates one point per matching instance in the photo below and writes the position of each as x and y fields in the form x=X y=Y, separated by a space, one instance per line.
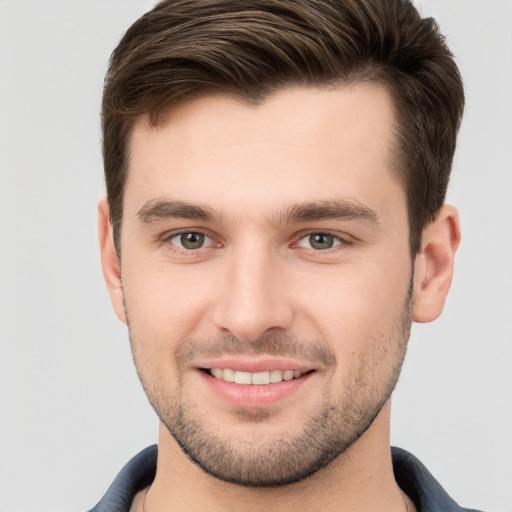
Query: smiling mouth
x=254 y=378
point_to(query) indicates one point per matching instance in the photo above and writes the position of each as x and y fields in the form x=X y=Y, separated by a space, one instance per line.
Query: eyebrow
x=345 y=209
x=155 y=210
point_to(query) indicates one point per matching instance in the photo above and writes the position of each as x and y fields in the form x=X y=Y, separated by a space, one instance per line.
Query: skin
x=258 y=283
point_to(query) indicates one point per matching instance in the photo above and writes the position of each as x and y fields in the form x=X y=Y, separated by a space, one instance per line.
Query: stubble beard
x=335 y=424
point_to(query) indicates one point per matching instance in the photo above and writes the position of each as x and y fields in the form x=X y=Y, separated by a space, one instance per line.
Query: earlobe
x=434 y=264
x=110 y=260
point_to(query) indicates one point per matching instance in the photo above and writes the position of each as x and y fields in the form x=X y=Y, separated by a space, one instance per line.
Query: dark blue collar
x=135 y=476
x=417 y=482
x=411 y=475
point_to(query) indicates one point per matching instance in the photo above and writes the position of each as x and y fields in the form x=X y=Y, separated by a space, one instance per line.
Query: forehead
x=300 y=144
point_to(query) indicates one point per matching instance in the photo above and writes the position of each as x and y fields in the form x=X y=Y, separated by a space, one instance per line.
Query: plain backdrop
x=71 y=409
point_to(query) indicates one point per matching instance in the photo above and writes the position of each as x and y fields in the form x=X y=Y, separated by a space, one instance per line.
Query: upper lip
x=253 y=365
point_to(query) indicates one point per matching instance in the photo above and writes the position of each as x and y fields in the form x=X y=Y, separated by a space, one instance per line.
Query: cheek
x=164 y=302
x=163 y=308
x=352 y=305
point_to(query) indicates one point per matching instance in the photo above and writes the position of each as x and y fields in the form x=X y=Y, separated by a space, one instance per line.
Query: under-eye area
x=254 y=378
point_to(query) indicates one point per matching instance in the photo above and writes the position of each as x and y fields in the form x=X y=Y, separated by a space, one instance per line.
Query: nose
x=253 y=298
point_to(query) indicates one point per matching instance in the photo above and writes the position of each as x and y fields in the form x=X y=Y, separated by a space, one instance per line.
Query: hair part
x=249 y=49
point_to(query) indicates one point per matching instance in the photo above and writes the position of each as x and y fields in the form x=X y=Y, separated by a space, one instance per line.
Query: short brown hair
x=251 y=48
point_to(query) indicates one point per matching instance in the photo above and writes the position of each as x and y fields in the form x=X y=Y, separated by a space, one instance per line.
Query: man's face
x=267 y=243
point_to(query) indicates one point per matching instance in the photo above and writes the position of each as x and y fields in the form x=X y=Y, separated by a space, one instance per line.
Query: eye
x=190 y=240
x=319 y=241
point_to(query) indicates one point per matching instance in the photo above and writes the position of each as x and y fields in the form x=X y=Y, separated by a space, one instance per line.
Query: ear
x=110 y=260
x=434 y=264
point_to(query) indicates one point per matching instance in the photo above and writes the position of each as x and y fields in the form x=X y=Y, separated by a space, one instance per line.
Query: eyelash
x=341 y=241
x=166 y=239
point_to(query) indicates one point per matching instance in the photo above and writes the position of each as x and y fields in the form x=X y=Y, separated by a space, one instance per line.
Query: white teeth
x=243 y=377
x=227 y=375
x=257 y=378
x=276 y=376
x=288 y=375
x=261 y=378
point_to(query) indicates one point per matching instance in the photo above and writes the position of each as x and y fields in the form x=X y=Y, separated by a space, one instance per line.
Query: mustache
x=277 y=344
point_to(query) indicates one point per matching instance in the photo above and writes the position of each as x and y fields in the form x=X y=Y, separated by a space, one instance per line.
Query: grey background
x=71 y=408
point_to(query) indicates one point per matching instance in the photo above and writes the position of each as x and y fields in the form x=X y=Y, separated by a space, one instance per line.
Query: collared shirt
x=411 y=475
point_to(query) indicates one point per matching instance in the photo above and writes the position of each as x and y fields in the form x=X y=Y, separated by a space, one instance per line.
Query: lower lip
x=254 y=396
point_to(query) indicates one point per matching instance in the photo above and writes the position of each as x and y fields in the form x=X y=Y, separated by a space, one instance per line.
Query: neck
x=359 y=480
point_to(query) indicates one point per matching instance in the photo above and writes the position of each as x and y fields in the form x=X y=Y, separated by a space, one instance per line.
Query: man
x=274 y=222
